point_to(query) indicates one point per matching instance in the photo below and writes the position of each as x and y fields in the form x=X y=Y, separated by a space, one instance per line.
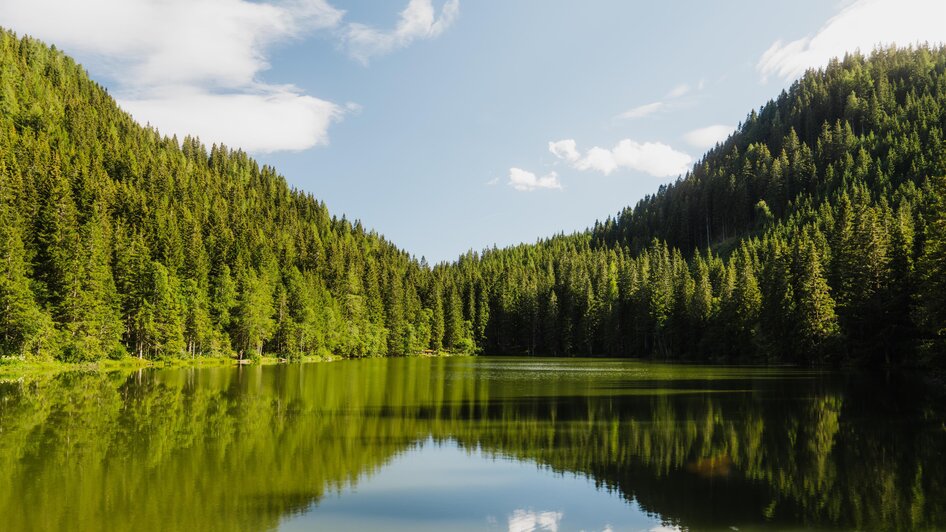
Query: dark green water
x=471 y=443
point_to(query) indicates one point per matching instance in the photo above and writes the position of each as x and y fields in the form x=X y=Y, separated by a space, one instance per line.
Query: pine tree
x=815 y=318
x=702 y=304
x=25 y=329
x=165 y=325
x=223 y=297
x=198 y=327
x=932 y=264
x=253 y=318
x=437 y=319
x=482 y=314
x=101 y=311
x=57 y=262
x=778 y=301
x=744 y=304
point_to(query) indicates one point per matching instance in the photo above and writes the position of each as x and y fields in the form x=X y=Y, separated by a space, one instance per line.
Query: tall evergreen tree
x=25 y=329
x=253 y=320
x=932 y=264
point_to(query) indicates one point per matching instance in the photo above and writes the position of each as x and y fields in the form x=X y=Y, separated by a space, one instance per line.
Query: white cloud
x=642 y=110
x=525 y=181
x=862 y=25
x=707 y=137
x=528 y=521
x=678 y=91
x=493 y=181
x=671 y=101
x=654 y=158
x=290 y=120
x=418 y=21
x=218 y=42
x=565 y=149
x=191 y=67
x=598 y=159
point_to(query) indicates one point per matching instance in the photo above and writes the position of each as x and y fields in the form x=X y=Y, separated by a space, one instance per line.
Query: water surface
x=471 y=444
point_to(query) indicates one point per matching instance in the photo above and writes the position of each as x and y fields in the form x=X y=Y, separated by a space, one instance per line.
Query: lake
x=482 y=443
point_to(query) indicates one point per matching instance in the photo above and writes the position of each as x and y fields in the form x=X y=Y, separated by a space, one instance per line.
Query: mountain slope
x=115 y=240
x=878 y=120
x=813 y=234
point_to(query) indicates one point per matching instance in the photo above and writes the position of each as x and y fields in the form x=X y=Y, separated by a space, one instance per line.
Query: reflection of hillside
x=240 y=449
x=189 y=450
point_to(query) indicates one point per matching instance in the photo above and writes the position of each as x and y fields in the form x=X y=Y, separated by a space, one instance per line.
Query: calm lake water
x=471 y=444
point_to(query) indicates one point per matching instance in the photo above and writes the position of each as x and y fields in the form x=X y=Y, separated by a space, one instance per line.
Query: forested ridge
x=117 y=241
x=815 y=234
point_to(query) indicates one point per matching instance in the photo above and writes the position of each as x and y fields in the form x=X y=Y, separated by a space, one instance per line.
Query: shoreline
x=11 y=369
x=15 y=369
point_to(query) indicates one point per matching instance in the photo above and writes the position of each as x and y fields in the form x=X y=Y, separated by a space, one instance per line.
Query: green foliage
x=932 y=264
x=813 y=234
x=806 y=450
x=118 y=240
x=25 y=329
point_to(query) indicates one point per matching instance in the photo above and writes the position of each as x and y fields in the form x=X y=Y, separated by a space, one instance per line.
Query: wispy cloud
x=671 y=101
x=863 y=25
x=707 y=137
x=418 y=20
x=525 y=181
x=654 y=158
x=678 y=91
x=642 y=110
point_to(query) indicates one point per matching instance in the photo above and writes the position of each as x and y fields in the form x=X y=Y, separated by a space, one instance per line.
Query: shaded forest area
x=816 y=234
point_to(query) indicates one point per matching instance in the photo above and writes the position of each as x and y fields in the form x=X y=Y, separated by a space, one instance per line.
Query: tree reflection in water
x=702 y=447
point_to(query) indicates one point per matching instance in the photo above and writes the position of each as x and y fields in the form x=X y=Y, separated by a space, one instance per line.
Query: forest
x=814 y=235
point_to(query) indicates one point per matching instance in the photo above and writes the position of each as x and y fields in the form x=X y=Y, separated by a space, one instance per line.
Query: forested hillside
x=116 y=241
x=815 y=234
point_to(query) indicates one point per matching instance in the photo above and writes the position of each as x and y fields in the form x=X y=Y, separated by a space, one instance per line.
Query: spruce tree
x=932 y=265
x=815 y=318
x=26 y=330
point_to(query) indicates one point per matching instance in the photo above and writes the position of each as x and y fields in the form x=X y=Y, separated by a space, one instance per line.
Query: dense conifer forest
x=816 y=234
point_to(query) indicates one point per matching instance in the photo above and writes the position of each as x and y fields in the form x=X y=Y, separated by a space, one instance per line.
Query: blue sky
x=456 y=125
